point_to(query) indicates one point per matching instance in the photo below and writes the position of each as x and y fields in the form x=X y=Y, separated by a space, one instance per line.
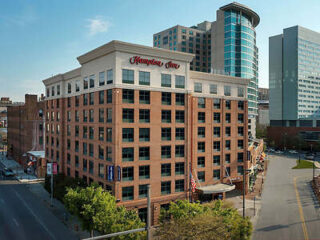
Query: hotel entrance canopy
x=216 y=188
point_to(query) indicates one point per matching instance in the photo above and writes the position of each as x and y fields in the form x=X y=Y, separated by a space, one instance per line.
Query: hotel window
x=109 y=134
x=109 y=96
x=91 y=115
x=198 y=87
x=69 y=102
x=240 y=105
x=166 y=134
x=91 y=98
x=228 y=131
x=179 y=168
x=144 y=172
x=228 y=145
x=227 y=158
x=101 y=170
x=109 y=115
x=101 y=133
x=216 y=160
x=127 y=174
x=240 y=157
x=76 y=160
x=144 y=97
x=143 y=193
x=52 y=91
x=144 y=134
x=110 y=76
x=85 y=99
x=240 y=170
x=165 y=80
x=240 y=144
x=85 y=115
x=240 y=92
x=109 y=154
x=144 y=115
x=101 y=115
x=127 y=154
x=101 y=78
x=227 y=90
x=77 y=85
x=127 y=134
x=201 y=162
x=216 y=103
x=127 y=76
x=228 y=118
x=201 y=103
x=216 y=117
x=85 y=132
x=216 y=132
x=166 y=170
x=179 y=185
x=240 y=118
x=166 y=98
x=179 y=116
x=201 y=132
x=179 y=133
x=201 y=176
x=144 y=78
x=179 y=151
x=201 y=117
x=216 y=174
x=216 y=146
x=201 y=147
x=127 y=193
x=127 y=96
x=92 y=78
x=84 y=165
x=180 y=99
x=144 y=153
x=77 y=100
x=228 y=104
x=165 y=151
x=101 y=152
x=127 y=115
x=165 y=188
x=84 y=148
x=58 y=90
x=76 y=116
x=91 y=151
x=180 y=82
x=48 y=91
x=69 y=116
x=101 y=97
x=240 y=131
x=85 y=83
x=166 y=116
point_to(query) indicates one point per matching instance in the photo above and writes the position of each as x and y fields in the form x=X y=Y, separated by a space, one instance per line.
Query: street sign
x=54 y=168
x=49 y=168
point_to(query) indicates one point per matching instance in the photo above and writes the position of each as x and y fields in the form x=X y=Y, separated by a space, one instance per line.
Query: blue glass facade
x=241 y=52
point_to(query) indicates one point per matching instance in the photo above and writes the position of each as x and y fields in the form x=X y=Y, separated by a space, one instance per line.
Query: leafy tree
x=182 y=214
x=97 y=210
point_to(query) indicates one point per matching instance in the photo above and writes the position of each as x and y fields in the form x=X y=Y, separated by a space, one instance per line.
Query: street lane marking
x=15 y=221
x=304 y=228
x=35 y=216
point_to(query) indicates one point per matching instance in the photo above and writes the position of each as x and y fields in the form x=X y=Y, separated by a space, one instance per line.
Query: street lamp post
x=244 y=192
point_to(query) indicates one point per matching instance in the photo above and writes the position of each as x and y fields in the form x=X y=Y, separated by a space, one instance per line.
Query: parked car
x=293 y=152
x=310 y=157
x=279 y=152
x=7 y=172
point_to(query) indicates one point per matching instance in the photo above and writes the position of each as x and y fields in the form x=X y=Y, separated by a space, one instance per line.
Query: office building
x=133 y=115
x=225 y=46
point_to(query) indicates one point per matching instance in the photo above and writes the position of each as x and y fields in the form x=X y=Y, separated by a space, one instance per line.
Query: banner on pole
x=49 y=168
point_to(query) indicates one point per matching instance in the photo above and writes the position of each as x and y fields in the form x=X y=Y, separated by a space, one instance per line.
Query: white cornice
x=218 y=78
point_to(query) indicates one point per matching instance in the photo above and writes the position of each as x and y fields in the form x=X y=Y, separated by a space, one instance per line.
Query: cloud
x=97 y=25
x=25 y=17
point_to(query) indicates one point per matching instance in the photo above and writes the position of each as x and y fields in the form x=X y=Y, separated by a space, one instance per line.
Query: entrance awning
x=216 y=188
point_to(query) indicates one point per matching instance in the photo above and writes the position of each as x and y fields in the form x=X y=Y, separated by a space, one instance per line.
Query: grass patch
x=303 y=164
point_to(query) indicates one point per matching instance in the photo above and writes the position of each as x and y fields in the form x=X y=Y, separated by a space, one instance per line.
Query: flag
x=193 y=183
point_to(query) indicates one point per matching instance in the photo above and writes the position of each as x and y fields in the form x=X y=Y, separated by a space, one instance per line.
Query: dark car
x=7 y=172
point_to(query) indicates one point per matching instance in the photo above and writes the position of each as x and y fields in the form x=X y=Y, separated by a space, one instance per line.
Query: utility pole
x=51 y=198
x=244 y=194
x=149 y=214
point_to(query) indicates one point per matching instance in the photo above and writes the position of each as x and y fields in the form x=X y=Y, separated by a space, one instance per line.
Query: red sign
x=54 y=168
x=138 y=60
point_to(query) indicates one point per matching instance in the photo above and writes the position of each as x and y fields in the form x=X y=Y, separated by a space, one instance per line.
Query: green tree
x=97 y=210
x=228 y=217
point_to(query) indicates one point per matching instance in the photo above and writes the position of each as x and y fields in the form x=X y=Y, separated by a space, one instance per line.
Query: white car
x=279 y=152
x=293 y=152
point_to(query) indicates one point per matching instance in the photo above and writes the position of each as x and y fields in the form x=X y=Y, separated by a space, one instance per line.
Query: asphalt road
x=23 y=217
x=289 y=210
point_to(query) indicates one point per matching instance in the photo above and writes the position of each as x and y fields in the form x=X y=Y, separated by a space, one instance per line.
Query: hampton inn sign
x=138 y=60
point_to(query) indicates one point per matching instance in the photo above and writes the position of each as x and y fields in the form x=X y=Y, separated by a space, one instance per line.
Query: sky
x=41 y=38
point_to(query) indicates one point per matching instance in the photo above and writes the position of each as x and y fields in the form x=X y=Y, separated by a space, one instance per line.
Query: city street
x=23 y=216
x=289 y=208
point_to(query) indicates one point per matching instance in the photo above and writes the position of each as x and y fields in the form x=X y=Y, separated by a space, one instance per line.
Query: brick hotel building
x=133 y=115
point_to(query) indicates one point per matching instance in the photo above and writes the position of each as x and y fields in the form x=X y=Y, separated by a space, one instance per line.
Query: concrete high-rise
x=294 y=74
x=225 y=46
